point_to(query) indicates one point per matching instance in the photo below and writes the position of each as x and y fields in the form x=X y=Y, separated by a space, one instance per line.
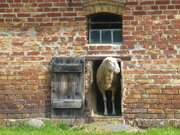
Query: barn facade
x=49 y=45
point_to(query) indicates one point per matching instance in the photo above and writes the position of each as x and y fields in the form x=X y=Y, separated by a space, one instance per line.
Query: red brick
x=23 y=15
x=147 y=2
x=16 y=5
x=54 y=14
x=177 y=6
x=9 y=15
x=4 y=5
x=163 y=7
x=33 y=53
x=163 y=2
x=131 y=3
x=139 y=8
x=46 y=24
x=129 y=38
x=69 y=14
x=154 y=12
x=18 y=53
x=45 y=5
x=175 y=2
x=171 y=91
x=128 y=17
x=171 y=7
x=139 y=13
x=9 y=1
x=17 y=0
x=103 y=47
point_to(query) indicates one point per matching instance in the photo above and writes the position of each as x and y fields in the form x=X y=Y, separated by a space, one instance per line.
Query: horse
x=107 y=80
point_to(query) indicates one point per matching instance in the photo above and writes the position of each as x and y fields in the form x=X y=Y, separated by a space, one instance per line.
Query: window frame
x=90 y=23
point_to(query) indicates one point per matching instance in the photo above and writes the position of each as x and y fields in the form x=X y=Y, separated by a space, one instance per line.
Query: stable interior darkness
x=99 y=105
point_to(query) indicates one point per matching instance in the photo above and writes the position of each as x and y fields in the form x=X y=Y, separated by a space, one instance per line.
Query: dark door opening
x=99 y=99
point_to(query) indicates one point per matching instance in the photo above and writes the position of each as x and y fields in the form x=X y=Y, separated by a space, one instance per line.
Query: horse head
x=112 y=64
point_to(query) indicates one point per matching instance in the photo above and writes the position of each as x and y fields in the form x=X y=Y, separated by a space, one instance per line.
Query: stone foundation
x=155 y=123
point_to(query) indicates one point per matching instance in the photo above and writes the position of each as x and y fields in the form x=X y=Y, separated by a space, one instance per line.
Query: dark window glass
x=106 y=37
x=106 y=26
x=105 y=17
x=95 y=36
x=117 y=36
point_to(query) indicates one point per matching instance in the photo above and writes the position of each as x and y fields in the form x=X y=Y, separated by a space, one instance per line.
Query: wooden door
x=67 y=87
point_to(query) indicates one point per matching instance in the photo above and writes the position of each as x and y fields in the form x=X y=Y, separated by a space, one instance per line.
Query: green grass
x=62 y=129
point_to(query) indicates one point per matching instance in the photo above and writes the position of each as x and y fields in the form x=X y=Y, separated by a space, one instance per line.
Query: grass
x=62 y=129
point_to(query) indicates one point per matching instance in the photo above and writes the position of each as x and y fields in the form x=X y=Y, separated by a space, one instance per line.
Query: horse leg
x=113 y=103
x=105 y=102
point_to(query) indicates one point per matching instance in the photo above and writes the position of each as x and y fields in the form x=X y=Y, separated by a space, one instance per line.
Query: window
x=105 y=28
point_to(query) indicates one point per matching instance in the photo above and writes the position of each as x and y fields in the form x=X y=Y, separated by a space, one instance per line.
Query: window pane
x=95 y=37
x=106 y=37
x=117 y=36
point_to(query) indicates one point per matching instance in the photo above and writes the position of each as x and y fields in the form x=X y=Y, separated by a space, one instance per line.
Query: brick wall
x=151 y=78
x=33 y=31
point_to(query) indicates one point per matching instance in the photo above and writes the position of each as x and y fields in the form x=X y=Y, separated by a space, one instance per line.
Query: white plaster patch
x=138 y=46
x=156 y=22
x=177 y=16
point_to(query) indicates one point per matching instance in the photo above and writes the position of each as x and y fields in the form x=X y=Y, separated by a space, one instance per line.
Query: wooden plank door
x=67 y=87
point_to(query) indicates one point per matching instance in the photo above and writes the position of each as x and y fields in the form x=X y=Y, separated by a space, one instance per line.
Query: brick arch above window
x=108 y=6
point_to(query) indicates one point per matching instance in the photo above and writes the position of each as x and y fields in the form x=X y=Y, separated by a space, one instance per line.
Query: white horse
x=107 y=80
